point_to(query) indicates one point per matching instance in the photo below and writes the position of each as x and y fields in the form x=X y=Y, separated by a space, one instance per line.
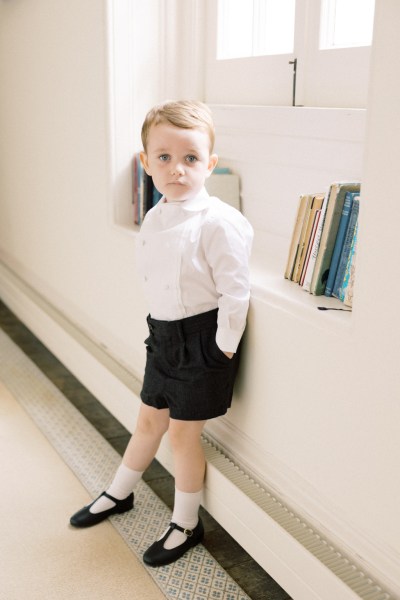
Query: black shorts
x=185 y=369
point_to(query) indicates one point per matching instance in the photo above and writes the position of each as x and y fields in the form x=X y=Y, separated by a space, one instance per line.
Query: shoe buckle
x=188 y=532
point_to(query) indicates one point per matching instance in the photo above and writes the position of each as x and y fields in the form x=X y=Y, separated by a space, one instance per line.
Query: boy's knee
x=153 y=423
x=183 y=433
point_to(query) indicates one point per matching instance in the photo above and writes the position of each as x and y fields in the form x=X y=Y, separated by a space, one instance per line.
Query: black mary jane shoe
x=157 y=555
x=84 y=518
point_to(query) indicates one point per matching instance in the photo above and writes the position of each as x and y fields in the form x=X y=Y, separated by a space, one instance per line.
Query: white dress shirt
x=193 y=257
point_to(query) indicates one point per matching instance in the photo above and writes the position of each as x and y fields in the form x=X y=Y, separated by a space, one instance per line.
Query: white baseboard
x=262 y=514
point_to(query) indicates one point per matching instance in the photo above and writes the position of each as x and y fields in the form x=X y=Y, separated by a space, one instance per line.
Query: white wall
x=56 y=205
x=317 y=407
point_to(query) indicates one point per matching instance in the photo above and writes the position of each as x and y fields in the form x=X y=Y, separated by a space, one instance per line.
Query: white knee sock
x=122 y=485
x=186 y=514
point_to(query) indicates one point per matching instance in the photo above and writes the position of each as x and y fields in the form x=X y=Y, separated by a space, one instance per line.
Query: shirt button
x=144 y=243
x=166 y=287
x=145 y=278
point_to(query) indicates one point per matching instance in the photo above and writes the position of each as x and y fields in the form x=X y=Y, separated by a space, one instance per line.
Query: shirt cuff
x=228 y=339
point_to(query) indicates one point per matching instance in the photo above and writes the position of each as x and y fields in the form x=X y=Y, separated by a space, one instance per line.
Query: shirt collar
x=199 y=202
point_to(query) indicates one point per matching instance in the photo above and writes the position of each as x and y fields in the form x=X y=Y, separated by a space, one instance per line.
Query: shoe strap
x=110 y=497
x=187 y=532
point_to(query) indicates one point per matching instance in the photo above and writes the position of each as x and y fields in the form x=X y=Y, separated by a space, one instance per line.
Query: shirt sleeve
x=227 y=247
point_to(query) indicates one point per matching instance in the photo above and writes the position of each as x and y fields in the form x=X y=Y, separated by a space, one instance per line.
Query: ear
x=212 y=163
x=145 y=162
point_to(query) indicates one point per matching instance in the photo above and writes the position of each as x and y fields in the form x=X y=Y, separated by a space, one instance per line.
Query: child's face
x=178 y=160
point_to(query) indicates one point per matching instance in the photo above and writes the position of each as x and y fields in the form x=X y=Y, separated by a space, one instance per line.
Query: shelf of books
x=323 y=248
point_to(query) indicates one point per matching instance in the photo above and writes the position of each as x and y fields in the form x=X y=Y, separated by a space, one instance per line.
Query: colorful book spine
x=341 y=234
x=347 y=291
x=337 y=288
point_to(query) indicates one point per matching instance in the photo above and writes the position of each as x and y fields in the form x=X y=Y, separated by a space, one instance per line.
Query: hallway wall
x=56 y=213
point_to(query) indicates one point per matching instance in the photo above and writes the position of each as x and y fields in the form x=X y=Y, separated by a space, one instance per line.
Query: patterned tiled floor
x=219 y=569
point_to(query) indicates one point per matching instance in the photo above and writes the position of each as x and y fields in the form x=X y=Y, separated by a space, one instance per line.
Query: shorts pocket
x=148 y=342
x=222 y=353
x=212 y=356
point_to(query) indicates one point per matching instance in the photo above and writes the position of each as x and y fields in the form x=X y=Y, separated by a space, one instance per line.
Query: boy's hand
x=229 y=354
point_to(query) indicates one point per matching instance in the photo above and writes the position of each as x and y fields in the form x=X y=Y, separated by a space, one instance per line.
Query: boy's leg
x=151 y=425
x=142 y=447
x=189 y=463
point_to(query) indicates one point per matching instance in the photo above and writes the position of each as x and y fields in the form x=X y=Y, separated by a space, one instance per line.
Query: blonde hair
x=186 y=114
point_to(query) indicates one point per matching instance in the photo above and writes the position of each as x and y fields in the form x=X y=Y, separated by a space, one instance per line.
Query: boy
x=192 y=252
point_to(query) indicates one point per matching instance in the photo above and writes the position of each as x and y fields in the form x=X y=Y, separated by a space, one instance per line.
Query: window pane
x=255 y=27
x=273 y=27
x=346 y=23
x=235 y=28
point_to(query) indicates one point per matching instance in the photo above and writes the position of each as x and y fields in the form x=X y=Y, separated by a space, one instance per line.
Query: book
x=135 y=188
x=141 y=175
x=300 y=248
x=310 y=247
x=333 y=213
x=315 y=205
x=348 y=241
x=337 y=250
x=294 y=244
x=315 y=246
x=138 y=190
x=156 y=195
x=221 y=171
x=147 y=192
x=349 y=278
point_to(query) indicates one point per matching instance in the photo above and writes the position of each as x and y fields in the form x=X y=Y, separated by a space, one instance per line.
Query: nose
x=177 y=169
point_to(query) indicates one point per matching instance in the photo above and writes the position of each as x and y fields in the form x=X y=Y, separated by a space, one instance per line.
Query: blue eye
x=164 y=157
x=191 y=159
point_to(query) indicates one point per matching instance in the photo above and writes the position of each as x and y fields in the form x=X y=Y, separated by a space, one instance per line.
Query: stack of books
x=221 y=183
x=322 y=253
